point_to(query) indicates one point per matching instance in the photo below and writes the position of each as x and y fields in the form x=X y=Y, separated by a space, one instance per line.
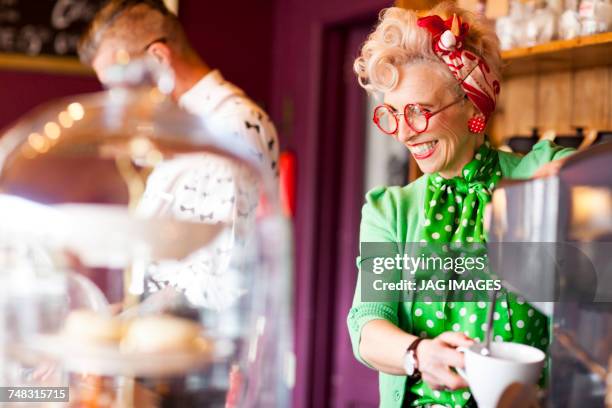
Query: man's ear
x=161 y=52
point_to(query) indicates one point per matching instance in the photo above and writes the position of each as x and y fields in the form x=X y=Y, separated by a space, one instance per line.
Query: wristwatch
x=411 y=365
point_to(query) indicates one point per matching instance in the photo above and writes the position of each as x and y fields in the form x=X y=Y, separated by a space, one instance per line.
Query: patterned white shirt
x=207 y=188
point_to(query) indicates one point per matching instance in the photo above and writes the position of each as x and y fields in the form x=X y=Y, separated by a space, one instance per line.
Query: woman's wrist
x=383 y=346
x=421 y=352
x=411 y=361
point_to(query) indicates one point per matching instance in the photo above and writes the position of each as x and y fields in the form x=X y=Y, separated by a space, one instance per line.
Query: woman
x=439 y=76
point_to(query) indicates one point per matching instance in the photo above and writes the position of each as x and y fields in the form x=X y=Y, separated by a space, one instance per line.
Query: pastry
x=89 y=326
x=160 y=333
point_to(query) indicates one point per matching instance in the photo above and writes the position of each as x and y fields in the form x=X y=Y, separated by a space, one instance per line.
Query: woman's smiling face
x=447 y=145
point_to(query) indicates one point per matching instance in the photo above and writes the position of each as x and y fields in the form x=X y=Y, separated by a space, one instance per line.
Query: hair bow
x=479 y=83
x=447 y=34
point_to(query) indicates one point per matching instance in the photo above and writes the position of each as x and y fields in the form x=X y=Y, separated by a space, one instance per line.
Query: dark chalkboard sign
x=43 y=34
x=44 y=27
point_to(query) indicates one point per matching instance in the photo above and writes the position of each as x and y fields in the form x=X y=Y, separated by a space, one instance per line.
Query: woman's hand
x=436 y=356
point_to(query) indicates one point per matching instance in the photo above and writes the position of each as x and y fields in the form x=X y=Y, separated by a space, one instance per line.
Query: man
x=202 y=187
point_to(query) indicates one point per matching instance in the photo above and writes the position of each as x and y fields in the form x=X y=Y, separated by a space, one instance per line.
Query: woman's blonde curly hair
x=398 y=41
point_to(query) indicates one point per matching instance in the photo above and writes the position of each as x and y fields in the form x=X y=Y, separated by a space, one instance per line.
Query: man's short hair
x=134 y=24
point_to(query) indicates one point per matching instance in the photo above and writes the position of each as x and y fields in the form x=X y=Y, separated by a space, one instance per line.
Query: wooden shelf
x=581 y=52
x=58 y=65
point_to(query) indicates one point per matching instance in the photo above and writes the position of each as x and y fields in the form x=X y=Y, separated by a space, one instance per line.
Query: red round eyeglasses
x=416 y=117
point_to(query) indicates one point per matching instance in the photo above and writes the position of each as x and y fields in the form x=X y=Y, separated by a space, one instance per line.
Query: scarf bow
x=454 y=208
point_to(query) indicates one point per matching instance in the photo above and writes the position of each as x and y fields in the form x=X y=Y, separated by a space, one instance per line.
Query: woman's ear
x=161 y=52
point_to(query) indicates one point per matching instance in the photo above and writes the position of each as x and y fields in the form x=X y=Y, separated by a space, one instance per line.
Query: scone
x=87 y=326
x=161 y=333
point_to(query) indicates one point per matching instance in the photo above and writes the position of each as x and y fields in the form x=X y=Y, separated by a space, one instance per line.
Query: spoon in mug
x=486 y=349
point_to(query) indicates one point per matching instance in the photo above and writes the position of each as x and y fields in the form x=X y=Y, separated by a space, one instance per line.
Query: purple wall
x=301 y=39
x=235 y=39
x=22 y=91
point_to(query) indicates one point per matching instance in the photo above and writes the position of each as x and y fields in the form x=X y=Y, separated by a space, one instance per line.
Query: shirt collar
x=206 y=95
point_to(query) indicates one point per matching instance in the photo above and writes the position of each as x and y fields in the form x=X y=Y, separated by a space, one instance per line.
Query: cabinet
x=560 y=85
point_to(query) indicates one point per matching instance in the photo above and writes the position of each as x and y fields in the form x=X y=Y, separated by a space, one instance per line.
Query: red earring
x=477 y=124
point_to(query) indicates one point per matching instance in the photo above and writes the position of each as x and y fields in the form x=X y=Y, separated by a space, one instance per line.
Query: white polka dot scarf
x=454 y=208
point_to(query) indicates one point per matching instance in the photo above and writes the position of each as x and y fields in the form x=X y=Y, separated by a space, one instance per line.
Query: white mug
x=508 y=363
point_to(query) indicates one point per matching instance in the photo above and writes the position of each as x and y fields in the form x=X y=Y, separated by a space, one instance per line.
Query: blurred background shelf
x=581 y=52
x=557 y=86
x=44 y=63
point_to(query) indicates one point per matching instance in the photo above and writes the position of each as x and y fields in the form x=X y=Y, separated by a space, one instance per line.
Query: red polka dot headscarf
x=480 y=84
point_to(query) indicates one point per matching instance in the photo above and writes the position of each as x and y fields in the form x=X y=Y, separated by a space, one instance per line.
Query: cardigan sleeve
x=377 y=225
x=542 y=152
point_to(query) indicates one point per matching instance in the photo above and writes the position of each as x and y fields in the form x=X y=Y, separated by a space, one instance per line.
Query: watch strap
x=414 y=345
x=411 y=350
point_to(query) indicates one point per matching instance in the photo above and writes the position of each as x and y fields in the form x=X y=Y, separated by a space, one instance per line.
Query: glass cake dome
x=137 y=296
